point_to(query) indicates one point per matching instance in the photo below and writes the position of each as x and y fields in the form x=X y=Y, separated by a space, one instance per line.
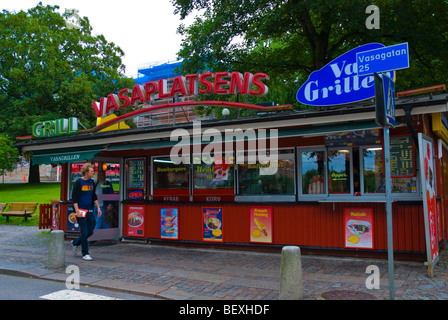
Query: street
x=21 y=288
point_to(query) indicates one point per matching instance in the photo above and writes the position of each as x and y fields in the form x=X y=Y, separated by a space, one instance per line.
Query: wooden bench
x=20 y=209
x=2 y=206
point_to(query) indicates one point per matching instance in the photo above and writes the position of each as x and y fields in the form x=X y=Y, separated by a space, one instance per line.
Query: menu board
x=136 y=173
x=341 y=139
x=402 y=157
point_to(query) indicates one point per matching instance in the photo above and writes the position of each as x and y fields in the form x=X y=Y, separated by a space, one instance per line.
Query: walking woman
x=84 y=198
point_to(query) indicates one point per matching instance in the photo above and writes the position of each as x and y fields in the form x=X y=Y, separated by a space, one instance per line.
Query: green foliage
x=290 y=39
x=8 y=154
x=49 y=71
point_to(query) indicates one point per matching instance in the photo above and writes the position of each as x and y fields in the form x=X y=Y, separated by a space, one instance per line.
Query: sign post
x=378 y=61
x=381 y=120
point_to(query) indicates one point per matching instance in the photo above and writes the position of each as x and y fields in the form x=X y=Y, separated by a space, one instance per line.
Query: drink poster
x=169 y=223
x=212 y=224
x=260 y=224
x=136 y=221
x=358 y=228
x=428 y=181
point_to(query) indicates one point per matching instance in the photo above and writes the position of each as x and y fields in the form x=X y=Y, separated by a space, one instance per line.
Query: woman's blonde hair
x=85 y=168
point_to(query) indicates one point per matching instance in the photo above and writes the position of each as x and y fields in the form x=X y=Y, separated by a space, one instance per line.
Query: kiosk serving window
x=213 y=180
x=372 y=164
x=313 y=172
x=329 y=172
x=208 y=175
x=262 y=180
x=339 y=171
x=170 y=180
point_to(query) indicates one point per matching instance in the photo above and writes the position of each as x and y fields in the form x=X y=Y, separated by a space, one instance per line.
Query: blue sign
x=383 y=59
x=338 y=82
x=389 y=99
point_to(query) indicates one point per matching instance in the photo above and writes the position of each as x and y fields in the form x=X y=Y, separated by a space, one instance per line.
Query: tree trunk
x=34 y=175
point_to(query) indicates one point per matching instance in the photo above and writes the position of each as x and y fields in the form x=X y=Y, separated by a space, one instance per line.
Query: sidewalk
x=194 y=274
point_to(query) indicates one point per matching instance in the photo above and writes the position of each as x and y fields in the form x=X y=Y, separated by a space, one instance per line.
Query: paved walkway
x=193 y=274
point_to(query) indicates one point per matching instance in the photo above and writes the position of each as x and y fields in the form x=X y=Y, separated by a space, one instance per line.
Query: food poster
x=428 y=181
x=358 y=228
x=260 y=224
x=169 y=223
x=212 y=224
x=72 y=223
x=136 y=221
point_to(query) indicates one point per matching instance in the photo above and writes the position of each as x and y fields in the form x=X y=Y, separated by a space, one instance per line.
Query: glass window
x=372 y=159
x=313 y=171
x=209 y=175
x=76 y=174
x=107 y=185
x=339 y=171
x=170 y=176
x=404 y=185
x=257 y=179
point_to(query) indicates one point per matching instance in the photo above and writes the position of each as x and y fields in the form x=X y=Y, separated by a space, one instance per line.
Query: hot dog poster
x=358 y=228
x=169 y=223
x=212 y=224
x=260 y=221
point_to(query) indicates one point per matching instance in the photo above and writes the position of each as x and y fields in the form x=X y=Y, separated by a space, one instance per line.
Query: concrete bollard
x=56 y=252
x=291 y=281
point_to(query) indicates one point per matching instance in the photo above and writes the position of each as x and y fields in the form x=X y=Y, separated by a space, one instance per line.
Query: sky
x=144 y=29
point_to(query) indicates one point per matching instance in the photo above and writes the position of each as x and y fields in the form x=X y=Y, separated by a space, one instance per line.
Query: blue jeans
x=87 y=226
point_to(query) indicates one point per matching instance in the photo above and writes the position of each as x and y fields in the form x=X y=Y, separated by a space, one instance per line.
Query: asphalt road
x=20 y=288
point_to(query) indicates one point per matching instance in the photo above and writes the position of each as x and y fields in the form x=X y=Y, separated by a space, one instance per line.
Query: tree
x=289 y=39
x=50 y=70
x=8 y=154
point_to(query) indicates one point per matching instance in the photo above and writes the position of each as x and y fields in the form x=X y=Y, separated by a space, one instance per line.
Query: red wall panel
x=311 y=225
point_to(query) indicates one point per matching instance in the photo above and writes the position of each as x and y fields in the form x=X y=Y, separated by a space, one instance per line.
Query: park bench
x=2 y=206
x=20 y=209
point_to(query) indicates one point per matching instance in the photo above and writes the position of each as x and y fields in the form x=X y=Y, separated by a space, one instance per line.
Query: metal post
x=390 y=241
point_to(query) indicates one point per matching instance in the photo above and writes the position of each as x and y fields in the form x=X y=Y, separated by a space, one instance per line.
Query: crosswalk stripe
x=75 y=295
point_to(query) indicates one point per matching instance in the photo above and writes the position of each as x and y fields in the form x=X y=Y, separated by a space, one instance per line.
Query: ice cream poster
x=358 y=228
x=260 y=224
x=169 y=223
x=212 y=224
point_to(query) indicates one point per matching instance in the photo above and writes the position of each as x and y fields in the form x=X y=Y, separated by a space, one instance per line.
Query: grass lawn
x=24 y=192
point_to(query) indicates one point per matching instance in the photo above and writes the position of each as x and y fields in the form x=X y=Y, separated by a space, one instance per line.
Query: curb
x=58 y=278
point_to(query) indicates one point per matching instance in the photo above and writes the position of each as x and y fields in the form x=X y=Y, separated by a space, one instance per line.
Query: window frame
x=152 y=175
x=349 y=194
x=305 y=196
x=265 y=198
x=232 y=165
